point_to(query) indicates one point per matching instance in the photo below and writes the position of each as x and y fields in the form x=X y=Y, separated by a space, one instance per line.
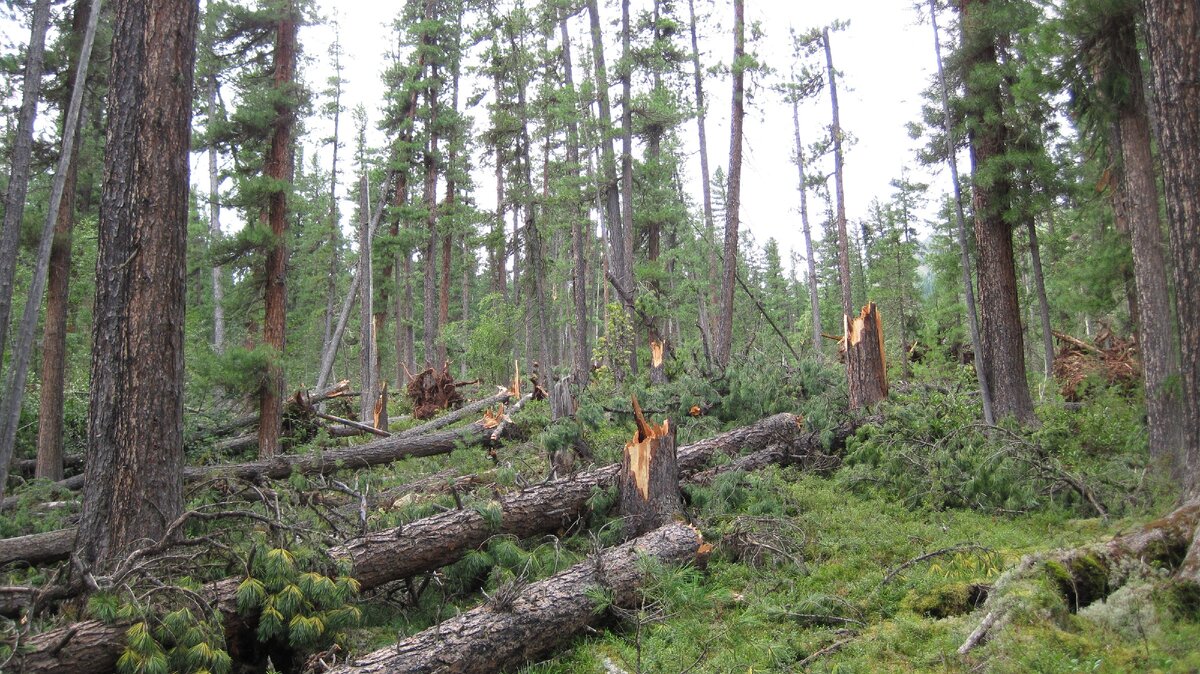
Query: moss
x=945 y=600
x=1081 y=579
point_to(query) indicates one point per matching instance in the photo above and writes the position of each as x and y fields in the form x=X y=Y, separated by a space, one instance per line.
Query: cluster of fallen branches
x=422 y=546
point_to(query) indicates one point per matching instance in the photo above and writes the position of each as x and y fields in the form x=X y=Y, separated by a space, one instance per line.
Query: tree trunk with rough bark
x=1000 y=313
x=648 y=483
x=134 y=472
x=865 y=364
x=510 y=630
x=835 y=131
x=278 y=167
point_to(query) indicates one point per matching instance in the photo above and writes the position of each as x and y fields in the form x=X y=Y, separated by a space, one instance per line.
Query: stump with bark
x=658 y=369
x=649 y=479
x=866 y=367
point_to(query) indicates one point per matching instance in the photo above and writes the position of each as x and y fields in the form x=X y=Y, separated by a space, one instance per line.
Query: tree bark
x=430 y=319
x=134 y=470
x=1039 y=282
x=961 y=229
x=1000 y=327
x=506 y=632
x=278 y=167
x=54 y=330
x=648 y=483
x=366 y=299
x=214 y=221
x=1138 y=191
x=865 y=364
x=733 y=196
x=18 y=176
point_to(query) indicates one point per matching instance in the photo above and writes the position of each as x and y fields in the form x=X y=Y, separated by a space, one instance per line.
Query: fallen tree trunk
x=26 y=467
x=57 y=545
x=37 y=549
x=338 y=390
x=508 y=631
x=1090 y=573
x=426 y=544
x=465 y=412
x=442 y=539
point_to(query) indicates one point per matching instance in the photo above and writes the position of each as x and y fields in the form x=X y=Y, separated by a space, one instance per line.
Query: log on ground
x=508 y=631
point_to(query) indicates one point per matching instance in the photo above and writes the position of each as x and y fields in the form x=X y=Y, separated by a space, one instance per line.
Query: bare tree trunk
x=836 y=132
x=214 y=223
x=964 y=254
x=22 y=351
x=279 y=167
x=334 y=223
x=430 y=320
x=1043 y=303
x=1173 y=32
x=627 y=282
x=366 y=300
x=705 y=176
x=724 y=345
x=580 y=369
x=133 y=477
x=18 y=176
x=814 y=303
x=54 y=332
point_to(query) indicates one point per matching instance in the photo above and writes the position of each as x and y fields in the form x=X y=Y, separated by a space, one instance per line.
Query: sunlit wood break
x=649 y=478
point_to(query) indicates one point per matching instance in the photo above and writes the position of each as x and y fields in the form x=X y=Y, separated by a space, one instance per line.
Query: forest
x=522 y=368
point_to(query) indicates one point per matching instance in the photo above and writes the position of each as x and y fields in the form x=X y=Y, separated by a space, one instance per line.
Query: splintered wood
x=649 y=478
x=658 y=370
x=866 y=368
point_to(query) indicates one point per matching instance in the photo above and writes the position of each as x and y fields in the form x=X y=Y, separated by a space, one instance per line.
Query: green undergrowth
x=801 y=565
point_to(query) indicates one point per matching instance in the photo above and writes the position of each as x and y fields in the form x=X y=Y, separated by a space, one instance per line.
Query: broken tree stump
x=649 y=479
x=520 y=623
x=866 y=366
x=658 y=370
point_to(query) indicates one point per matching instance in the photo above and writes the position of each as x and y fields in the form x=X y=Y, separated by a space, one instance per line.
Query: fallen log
x=433 y=542
x=92 y=647
x=37 y=549
x=26 y=467
x=338 y=390
x=465 y=412
x=57 y=545
x=523 y=623
x=1090 y=573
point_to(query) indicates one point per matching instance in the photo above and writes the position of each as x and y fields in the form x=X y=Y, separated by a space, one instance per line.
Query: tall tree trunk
x=724 y=345
x=814 y=303
x=964 y=253
x=835 y=131
x=1136 y=195
x=627 y=282
x=279 y=167
x=22 y=351
x=468 y=273
x=133 y=476
x=334 y=225
x=580 y=369
x=705 y=175
x=18 y=175
x=1003 y=346
x=1039 y=282
x=366 y=302
x=430 y=319
x=1173 y=32
x=214 y=222
x=54 y=331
